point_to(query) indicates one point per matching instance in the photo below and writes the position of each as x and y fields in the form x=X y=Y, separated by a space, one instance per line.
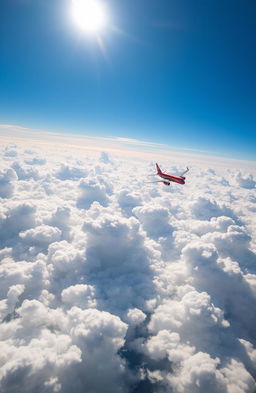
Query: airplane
x=167 y=179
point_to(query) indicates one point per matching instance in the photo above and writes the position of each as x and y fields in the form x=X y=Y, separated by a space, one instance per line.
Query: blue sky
x=180 y=72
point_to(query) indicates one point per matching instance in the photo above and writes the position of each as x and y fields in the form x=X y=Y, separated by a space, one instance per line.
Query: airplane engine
x=167 y=183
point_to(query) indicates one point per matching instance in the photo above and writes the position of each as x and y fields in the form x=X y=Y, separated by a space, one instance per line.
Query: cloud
x=154 y=220
x=7 y=178
x=61 y=219
x=10 y=151
x=135 y=316
x=112 y=285
x=104 y=157
x=41 y=235
x=7 y=306
x=128 y=200
x=79 y=295
x=66 y=172
x=14 y=219
x=202 y=373
x=91 y=191
x=205 y=209
x=25 y=172
x=114 y=252
x=246 y=181
x=36 y=161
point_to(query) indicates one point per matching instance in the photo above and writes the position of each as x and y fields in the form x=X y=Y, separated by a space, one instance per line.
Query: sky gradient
x=174 y=72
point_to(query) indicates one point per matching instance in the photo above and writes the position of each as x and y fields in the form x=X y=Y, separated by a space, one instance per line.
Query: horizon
x=118 y=145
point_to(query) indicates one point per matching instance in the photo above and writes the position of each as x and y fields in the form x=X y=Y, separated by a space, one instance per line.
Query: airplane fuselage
x=169 y=178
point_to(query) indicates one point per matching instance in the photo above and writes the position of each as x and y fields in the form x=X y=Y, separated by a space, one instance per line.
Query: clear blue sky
x=183 y=73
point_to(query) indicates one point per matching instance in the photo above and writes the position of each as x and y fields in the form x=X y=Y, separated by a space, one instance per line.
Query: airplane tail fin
x=158 y=169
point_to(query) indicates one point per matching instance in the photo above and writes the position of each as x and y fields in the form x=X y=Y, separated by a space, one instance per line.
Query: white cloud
x=104 y=157
x=205 y=209
x=128 y=200
x=79 y=295
x=41 y=235
x=112 y=285
x=202 y=373
x=36 y=161
x=7 y=306
x=66 y=172
x=91 y=191
x=117 y=261
x=14 y=219
x=154 y=220
x=10 y=151
x=135 y=316
x=246 y=181
x=7 y=178
x=25 y=172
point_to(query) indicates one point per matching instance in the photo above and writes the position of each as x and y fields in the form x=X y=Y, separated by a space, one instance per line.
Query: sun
x=89 y=15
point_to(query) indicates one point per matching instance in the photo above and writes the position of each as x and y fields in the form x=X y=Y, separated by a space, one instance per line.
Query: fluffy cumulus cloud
x=92 y=190
x=246 y=181
x=111 y=284
x=7 y=178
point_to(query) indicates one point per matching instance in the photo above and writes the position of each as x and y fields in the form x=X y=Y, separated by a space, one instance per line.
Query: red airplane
x=169 y=178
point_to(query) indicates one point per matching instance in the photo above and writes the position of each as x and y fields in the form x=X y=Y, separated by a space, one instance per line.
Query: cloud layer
x=109 y=284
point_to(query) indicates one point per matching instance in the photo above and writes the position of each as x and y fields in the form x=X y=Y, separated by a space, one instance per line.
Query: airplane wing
x=183 y=173
x=155 y=181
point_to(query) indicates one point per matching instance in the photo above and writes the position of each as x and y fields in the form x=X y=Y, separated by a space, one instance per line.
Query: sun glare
x=89 y=15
